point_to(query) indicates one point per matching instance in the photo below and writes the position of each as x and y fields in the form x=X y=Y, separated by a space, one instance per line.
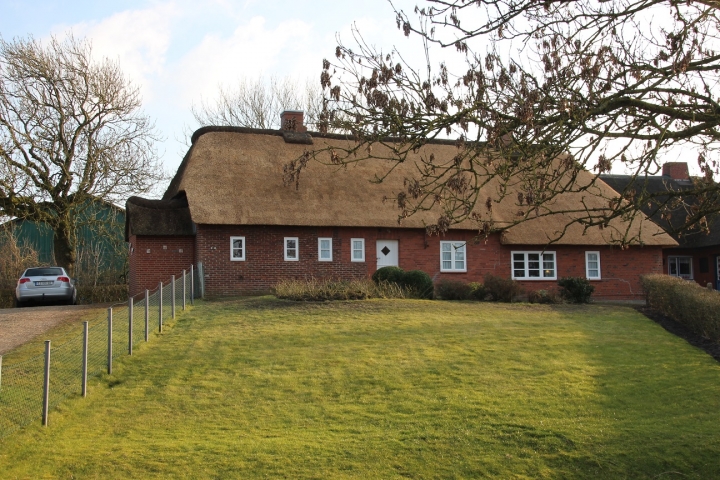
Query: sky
x=179 y=52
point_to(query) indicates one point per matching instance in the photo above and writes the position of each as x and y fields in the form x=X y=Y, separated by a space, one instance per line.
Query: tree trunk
x=65 y=244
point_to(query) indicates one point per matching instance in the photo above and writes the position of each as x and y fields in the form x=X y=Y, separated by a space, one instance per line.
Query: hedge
x=686 y=302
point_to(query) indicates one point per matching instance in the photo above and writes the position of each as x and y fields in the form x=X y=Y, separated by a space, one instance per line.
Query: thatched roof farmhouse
x=228 y=211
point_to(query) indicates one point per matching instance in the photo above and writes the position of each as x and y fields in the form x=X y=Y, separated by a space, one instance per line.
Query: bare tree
x=71 y=132
x=546 y=89
x=259 y=103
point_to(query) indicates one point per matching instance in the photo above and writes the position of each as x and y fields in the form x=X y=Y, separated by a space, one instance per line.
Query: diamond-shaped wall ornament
x=385 y=251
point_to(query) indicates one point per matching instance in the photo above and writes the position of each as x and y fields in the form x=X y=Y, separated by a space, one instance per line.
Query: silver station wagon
x=45 y=284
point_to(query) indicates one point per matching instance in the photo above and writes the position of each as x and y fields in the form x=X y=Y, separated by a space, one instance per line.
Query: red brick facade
x=264 y=263
x=155 y=259
x=704 y=263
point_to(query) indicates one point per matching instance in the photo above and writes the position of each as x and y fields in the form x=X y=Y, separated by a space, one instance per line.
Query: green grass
x=255 y=388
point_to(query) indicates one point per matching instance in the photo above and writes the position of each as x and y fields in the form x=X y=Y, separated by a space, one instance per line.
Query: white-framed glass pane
x=460 y=256
x=237 y=248
x=325 y=248
x=452 y=256
x=533 y=262
x=592 y=264
x=291 y=249
x=548 y=265
x=358 y=249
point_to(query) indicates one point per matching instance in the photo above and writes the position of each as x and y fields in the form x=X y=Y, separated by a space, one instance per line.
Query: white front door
x=387 y=253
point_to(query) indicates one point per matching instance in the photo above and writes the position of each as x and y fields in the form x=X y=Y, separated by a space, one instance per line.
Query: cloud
x=137 y=39
x=249 y=51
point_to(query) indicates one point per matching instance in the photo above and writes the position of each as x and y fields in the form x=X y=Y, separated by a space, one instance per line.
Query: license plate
x=40 y=284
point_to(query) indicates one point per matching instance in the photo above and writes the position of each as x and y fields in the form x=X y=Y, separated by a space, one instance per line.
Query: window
x=680 y=267
x=292 y=252
x=533 y=266
x=358 y=249
x=592 y=265
x=452 y=257
x=325 y=249
x=237 y=249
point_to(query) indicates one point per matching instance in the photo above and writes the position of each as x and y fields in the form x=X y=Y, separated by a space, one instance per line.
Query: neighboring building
x=697 y=257
x=227 y=209
x=101 y=250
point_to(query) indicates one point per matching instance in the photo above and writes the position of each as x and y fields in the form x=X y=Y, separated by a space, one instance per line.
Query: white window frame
x=320 y=249
x=587 y=266
x=526 y=268
x=454 y=247
x=352 y=250
x=232 y=249
x=297 y=249
x=675 y=258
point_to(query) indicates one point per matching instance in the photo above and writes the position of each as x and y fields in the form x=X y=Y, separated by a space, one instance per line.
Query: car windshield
x=43 y=272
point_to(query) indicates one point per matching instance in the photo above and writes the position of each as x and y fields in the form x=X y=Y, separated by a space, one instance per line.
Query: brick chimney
x=292 y=121
x=676 y=170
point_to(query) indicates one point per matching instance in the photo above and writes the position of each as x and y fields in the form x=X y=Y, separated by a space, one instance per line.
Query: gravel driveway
x=20 y=325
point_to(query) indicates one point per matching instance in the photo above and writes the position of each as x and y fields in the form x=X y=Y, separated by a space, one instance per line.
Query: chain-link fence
x=27 y=393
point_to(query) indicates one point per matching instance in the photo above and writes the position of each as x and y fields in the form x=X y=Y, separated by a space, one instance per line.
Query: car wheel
x=18 y=303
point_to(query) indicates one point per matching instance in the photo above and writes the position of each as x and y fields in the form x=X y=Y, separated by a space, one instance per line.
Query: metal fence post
x=172 y=302
x=160 y=296
x=147 y=315
x=109 y=349
x=130 y=324
x=46 y=384
x=192 y=284
x=201 y=279
x=84 y=359
x=183 y=302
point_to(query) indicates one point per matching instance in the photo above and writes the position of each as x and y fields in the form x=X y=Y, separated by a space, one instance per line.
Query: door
x=387 y=253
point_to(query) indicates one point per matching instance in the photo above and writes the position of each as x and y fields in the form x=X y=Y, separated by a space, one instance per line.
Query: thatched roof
x=657 y=185
x=158 y=217
x=235 y=176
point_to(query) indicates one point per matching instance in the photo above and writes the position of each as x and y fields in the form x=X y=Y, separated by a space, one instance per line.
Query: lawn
x=252 y=388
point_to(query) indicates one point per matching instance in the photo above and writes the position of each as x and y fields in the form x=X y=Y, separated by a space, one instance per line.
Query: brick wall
x=705 y=255
x=155 y=259
x=264 y=263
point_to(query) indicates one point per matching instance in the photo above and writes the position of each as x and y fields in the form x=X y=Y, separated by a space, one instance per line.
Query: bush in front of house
x=478 y=291
x=388 y=274
x=686 y=302
x=576 y=289
x=102 y=294
x=544 y=296
x=501 y=289
x=418 y=282
x=452 y=290
x=318 y=290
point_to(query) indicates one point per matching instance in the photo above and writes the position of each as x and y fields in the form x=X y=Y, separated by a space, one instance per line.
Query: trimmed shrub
x=7 y=298
x=388 y=274
x=544 y=296
x=102 y=294
x=686 y=302
x=576 y=289
x=419 y=282
x=452 y=290
x=477 y=291
x=328 y=289
x=501 y=289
